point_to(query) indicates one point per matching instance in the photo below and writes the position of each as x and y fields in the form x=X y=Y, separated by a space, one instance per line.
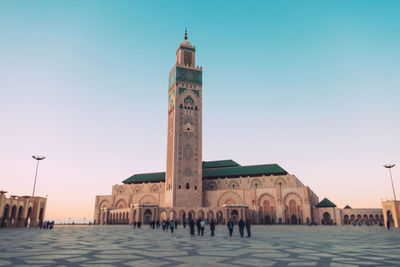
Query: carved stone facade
x=218 y=190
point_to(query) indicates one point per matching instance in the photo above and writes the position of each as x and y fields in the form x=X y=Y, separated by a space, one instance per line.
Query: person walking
x=184 y=223
x=388 y=224
x=212 y=227
x=248 y=227
x=230 y=227
x=202 y=225
x=172 y=226
x=241 y=227
x=198 y=225
x=191 y=226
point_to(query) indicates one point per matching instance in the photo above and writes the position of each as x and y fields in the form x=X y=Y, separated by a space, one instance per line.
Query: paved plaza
x=120 y=245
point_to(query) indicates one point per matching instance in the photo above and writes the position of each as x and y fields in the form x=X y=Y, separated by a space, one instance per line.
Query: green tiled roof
x=215 y=169
x=347 y=207
x=146 y=177
x=326 y=203
x=219 y=164
x=254 y=170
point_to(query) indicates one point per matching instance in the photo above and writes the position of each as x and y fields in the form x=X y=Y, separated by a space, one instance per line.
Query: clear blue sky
x=311 y=85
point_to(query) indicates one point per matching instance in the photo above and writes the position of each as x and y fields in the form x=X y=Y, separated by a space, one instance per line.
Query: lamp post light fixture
x=38 y=158
x=389 y=166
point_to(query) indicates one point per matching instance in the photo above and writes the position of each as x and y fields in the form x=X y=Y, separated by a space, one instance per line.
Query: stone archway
x=182 y=216
x=28 y=219
x=220 y=217
x=346 y=219
x=4 y=219
x=121 y=204
x=200 y=215
x=172 y=215
x=191 y=215
x=148 y=199
x=210 y=216
x=147 y=216
x=293 y=204
x=230 y=198
x=235 y=216
x=163 y=215
x=389 y=219
x=326 y=218
x=41 y=216
x=20 y=216
x=13 y=216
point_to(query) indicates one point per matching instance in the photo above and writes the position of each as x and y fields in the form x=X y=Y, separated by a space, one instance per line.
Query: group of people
x=46 y=225
x=199 y=224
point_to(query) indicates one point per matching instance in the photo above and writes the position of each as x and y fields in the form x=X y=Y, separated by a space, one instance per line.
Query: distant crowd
x=45 y=225
x=199 y=224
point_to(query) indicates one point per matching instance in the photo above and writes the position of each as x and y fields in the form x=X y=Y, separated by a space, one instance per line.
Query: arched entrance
x=172 y=215
x=326 y=218
x=293 y=219
x=41 y=216
x=210 y=216
x=28 y=217
x=163 y=215
x=389 y=218
x=182 y=216
x=235 y=216
x=4 y=219
x=20 y=215
x=346 y=219
x=293 y=211
x=191 y=215
x=13 y=216
x=200 y=215
x=219 y=217
x=147 y=216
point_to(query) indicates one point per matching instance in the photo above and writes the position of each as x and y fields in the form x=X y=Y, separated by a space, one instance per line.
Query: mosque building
x=218 y=190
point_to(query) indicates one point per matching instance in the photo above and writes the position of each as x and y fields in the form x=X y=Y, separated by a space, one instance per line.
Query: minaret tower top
x=185 y=54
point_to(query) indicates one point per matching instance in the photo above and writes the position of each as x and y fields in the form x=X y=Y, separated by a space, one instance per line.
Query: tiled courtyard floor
x=121 y=245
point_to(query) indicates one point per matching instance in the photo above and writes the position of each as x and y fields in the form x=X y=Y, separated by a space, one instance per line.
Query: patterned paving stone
x=121 y=245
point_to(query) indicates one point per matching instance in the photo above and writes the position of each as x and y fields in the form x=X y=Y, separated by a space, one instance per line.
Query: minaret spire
x=185 y=34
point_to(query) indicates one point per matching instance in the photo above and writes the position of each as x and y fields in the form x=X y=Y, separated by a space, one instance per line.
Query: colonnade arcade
x=146 y=213
x=18 y=216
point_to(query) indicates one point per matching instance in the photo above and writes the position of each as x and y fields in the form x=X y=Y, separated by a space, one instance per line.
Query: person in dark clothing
x=198 y=225
x=184 y=223
x=388 y=224
x=230 y=227
x=172 y=226
x=139 y=224
x=191 y=226
x=241 y=227
x=212 y=227
x=248 y=228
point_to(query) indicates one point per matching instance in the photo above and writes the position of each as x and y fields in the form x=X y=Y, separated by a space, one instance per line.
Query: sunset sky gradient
x=311 y=85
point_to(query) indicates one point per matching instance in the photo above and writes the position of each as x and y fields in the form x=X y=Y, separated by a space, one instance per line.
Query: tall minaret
x=183 y=181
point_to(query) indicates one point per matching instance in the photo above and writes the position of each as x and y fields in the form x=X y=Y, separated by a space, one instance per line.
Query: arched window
x=256 y=185
x=180 y=186
x=195 y=187
x=187 y=186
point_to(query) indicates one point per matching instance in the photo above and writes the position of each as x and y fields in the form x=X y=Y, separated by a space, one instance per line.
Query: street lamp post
x=38 y=158
x=389 y=166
